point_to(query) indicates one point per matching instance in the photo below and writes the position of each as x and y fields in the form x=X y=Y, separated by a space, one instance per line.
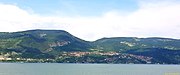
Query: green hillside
x=128 y=43
x=61 y=46
x=41 y=43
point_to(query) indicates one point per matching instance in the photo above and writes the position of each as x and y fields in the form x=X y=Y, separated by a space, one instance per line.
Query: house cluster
x=143 y=58
x=4 y=58
x=79 y=54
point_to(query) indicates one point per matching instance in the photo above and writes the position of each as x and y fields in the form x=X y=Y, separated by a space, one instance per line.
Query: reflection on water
x=86 y=69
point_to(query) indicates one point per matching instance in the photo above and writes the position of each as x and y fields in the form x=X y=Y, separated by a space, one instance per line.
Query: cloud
x=152 y=19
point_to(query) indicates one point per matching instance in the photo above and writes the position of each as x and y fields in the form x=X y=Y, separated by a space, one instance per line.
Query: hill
x=128 y=43
x=162 y=50
x=61 y=46
x=41 y=43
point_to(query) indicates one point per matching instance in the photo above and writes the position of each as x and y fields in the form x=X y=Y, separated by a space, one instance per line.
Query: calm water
x=86 y=69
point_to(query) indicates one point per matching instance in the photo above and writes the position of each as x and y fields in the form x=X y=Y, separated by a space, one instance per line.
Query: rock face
x=59 y=44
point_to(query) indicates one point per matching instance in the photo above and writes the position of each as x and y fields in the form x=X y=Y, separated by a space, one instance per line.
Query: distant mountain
x=162 y=50
x=128 y=43
x=59 y=45
x=41 y=43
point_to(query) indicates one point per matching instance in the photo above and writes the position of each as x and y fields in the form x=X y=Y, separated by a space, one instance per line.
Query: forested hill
x=61 y=46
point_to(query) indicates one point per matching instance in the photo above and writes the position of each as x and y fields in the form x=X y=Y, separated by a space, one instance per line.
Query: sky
x=94 y=19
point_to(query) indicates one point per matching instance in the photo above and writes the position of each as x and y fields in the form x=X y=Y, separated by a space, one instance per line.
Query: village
x=78 y=57
x=107 y=56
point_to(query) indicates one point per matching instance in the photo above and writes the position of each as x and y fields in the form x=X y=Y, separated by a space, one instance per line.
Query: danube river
x=86 y=69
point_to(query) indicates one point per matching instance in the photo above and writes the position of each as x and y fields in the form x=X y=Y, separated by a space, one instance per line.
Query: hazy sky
x=94 y=19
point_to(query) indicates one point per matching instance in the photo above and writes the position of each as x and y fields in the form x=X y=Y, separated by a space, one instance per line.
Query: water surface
x=86 y=69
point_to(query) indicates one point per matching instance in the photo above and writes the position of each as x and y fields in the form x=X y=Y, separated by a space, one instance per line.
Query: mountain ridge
x=59 y=46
